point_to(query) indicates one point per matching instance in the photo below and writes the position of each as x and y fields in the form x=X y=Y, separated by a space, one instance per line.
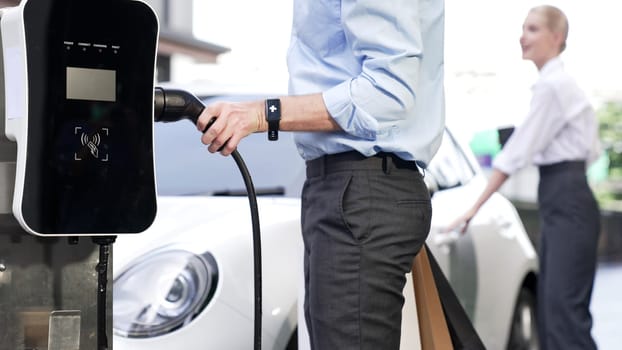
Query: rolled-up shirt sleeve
x=386 y=37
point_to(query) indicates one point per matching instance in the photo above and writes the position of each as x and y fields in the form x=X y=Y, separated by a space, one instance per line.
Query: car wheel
x=292 y=344
x=524 y=331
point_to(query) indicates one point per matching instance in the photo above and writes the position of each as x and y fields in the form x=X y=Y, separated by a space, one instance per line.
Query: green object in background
x=599 y=170
x=485 y=145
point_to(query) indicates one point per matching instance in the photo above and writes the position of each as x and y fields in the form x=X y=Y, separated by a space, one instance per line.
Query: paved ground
x=607 y=306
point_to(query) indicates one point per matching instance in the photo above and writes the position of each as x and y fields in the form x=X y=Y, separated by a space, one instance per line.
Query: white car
x=493 y=266
x=187 y=282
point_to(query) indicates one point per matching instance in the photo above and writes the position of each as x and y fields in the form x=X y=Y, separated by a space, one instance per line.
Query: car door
x=450 y=178
x=454 y=184
x=487 y=264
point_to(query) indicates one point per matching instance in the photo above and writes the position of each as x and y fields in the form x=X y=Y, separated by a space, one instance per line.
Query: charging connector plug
x=171 y=105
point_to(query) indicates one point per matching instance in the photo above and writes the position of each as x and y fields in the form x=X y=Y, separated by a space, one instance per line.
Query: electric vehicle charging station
x=78 y=101
x=79 y=78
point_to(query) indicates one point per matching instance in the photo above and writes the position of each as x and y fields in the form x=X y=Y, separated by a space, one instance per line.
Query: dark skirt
x=570 y=227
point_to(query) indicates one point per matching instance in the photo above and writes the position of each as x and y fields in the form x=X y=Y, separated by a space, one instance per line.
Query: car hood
x=197 y=222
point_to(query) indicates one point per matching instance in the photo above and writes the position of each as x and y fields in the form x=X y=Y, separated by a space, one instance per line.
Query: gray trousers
x=568 y=252
x=363 y=221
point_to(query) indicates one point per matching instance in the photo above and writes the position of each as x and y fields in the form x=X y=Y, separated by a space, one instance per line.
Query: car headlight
x=161 y=292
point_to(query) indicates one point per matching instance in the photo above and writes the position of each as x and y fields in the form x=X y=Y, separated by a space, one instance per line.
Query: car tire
x=292 y=344
x=524 y=331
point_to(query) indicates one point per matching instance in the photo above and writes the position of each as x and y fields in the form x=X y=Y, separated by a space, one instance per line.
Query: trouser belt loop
x=323 y=166
x=387 y=164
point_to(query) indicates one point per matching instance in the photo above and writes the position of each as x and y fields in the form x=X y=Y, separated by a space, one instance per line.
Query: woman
x=559 y=135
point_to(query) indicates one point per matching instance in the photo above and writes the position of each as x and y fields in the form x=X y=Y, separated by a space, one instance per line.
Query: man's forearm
x=306 y=113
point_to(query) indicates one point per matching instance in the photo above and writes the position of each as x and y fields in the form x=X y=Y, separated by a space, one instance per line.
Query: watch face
x=273 y=116
x=273 y=110
x=90 y=124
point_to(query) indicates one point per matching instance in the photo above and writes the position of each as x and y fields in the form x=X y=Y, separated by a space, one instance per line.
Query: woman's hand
x=497 y=178
x=462 y=223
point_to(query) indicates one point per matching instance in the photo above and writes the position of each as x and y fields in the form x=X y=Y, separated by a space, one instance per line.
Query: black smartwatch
x=273 y=117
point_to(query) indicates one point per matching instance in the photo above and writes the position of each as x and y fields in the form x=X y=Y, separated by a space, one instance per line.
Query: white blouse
x=560 y=126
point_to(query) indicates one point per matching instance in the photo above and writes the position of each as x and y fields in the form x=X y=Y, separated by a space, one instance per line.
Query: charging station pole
x=47 y=285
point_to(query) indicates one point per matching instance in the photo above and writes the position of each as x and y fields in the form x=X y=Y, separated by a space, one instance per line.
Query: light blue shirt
x=379 y=66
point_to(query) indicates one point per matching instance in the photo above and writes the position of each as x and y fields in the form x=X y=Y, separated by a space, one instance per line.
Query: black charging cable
x=171 y=105
x=105 y=244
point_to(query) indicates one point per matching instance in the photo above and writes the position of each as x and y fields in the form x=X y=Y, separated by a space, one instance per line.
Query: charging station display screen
x=90 y=165
x=91 y=84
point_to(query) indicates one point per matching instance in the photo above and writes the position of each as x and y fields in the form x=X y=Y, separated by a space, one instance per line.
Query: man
x=366 y=98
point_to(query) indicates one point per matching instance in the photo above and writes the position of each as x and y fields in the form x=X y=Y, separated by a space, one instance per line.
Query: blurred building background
x=178 y=47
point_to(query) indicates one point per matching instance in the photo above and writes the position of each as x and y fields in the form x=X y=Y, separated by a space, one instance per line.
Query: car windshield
x=185 y=167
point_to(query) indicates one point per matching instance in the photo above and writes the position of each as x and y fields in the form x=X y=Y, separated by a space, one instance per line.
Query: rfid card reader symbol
x=92 y=143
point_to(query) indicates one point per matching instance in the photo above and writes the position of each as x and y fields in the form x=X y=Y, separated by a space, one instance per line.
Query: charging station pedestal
x=77 y=99
x=47 y=292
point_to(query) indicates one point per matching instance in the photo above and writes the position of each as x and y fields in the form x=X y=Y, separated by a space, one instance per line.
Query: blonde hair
x=556 y=21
